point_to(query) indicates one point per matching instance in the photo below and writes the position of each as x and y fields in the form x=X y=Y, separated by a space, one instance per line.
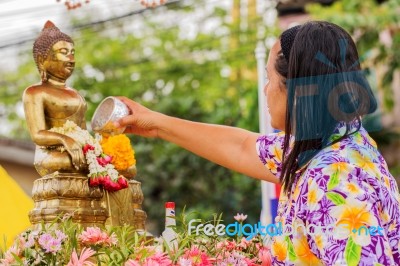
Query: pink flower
x=101 y=161
x=385 y=37
x=122 y=182
x=197 y=257
x=158 y=259
x=104 y=159
x=132 y=263
x=150 y=262
x=236 y=258
x=97 y=179
x=94 y=236
x=226 y=245
x=60 y=235
x=110 y=185
x=26 y=241
x=249 y=262
x=184 y=262
x=82 y=260
x=86 y=148
x=94 y=181
x=244 y=243
x=101 y=179
x=107 y=158
x=9 y=256
x=49 y=243
x=240 y=217
x=264 y=255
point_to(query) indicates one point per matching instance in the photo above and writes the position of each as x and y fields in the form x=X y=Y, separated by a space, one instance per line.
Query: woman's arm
x=230 y=147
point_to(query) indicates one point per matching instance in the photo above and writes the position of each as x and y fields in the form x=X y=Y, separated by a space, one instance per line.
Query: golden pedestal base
x=124 y=206
x=59 y=194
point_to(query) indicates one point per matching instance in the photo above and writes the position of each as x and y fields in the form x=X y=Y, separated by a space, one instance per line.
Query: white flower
x=240 y=217
x=83 y=137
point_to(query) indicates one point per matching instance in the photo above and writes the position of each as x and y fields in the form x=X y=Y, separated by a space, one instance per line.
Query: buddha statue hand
x=75 y=151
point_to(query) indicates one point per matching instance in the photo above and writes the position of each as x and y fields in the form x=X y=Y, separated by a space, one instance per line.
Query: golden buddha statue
x=59 y=159
x=51 y=103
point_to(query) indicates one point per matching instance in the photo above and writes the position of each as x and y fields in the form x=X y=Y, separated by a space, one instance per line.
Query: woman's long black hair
x=325 y=87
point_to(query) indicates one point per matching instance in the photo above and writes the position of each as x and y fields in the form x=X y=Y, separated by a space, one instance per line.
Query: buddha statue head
x=46 y=48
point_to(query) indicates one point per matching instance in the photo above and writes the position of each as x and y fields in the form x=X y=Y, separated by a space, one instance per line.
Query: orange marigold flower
x=119 y=147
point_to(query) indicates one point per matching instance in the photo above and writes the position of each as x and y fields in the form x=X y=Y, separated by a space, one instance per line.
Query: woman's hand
x=230 y=147
x=75 y=150
x=141 y=120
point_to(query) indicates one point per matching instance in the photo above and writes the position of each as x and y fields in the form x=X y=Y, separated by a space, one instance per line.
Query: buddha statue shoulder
x=51 y=103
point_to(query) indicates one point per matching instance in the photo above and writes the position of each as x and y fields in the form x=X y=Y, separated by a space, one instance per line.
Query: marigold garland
x=120 y=149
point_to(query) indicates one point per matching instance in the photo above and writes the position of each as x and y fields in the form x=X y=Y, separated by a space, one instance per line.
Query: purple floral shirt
x=344 y=207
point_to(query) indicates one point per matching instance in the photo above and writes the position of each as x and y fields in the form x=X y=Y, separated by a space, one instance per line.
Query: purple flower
x=60 y=235
x=49 y=243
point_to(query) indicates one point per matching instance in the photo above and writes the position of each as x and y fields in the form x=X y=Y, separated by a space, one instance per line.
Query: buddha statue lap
x=59 y=159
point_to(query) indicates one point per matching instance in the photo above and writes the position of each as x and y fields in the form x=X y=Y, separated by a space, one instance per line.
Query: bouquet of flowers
x=70 y=244
x=102 y=170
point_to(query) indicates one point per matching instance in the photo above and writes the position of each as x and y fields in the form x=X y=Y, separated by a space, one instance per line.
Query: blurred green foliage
x=178 y=60
x=376 y=31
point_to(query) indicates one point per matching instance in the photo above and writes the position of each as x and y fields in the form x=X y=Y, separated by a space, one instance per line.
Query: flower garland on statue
x=101 y=169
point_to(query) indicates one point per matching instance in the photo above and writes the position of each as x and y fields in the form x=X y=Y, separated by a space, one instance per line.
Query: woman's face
x=275 y=91
x=60 y=62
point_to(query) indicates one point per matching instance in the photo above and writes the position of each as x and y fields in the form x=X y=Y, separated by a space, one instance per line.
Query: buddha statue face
x=60 y=61
x=53 y=52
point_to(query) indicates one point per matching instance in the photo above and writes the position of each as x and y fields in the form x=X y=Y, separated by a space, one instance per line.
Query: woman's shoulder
x=356 y=149
x=351 y=164
x=270 y=151
x=273 y=138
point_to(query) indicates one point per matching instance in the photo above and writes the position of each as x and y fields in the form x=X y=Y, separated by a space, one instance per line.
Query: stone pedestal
x=58 y=194
x=139 y=215
x=124 y=207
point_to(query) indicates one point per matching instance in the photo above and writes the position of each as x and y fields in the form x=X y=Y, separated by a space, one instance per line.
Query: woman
x=332 y=174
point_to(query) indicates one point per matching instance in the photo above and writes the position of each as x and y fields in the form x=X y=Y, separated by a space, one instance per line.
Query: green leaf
x=336 y=198
x=292 y=253
x=333 y=180
x=352 y=253
x=18 y=259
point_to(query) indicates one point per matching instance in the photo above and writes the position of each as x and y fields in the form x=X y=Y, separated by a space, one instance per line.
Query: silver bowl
x=109 y=110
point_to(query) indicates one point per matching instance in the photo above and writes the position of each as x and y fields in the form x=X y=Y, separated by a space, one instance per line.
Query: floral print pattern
x=346 y=190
